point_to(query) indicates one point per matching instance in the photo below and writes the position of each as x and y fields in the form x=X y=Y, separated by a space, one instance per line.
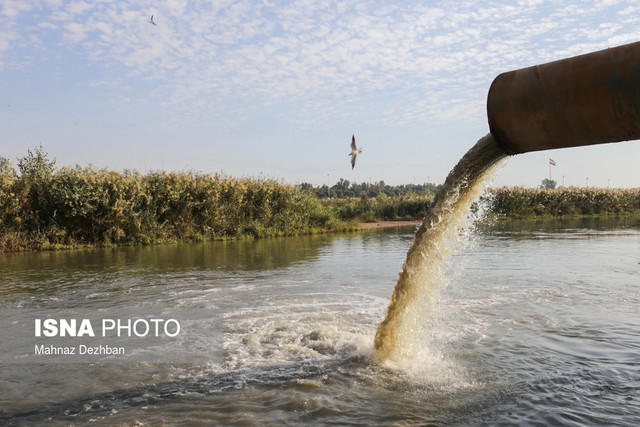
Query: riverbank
x=388 y=224
x=16 y=242
x=42 y=208
x=519 y=202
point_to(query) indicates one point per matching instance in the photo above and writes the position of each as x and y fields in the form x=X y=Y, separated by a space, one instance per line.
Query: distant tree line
x=344 y=189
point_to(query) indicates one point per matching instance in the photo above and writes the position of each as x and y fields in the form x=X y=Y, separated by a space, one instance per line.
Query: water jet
x=584 y=100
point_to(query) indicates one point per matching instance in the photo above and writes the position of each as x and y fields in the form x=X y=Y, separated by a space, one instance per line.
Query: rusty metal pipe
x=584 y=100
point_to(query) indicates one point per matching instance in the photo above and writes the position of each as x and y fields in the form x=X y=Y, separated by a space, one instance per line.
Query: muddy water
x=539 y=322
x=398 y=339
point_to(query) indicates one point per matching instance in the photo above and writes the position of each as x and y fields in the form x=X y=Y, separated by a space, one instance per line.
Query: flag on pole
x=552 y=162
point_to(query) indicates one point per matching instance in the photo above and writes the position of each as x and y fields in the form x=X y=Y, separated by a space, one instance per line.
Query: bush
x=522 y=202
x=381 y=208
x=43 y=208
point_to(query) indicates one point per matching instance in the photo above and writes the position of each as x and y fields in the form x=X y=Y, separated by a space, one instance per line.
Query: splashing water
x=422 y=276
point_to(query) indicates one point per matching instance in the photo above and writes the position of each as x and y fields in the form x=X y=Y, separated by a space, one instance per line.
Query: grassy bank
x=45 y=209
x=381 y=208
x=517 y=202
x=505 y=202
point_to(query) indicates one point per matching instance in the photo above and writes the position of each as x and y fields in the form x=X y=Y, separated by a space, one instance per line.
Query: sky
x=275 y=89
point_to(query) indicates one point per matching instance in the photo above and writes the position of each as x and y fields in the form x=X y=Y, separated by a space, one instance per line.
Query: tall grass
x=381 y=208
x=44 y=208
x=87 y=206
x=572 y=201
x=513 y=202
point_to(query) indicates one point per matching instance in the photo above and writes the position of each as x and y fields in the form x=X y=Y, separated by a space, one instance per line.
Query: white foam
x=301 y=327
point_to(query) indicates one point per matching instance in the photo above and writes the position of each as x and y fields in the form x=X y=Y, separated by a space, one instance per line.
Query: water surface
x=539 y=322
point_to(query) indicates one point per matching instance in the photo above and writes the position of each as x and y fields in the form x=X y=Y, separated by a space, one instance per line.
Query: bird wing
x=353 y=142
x=353 y=161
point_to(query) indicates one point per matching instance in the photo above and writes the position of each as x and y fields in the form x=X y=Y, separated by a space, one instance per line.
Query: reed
x=87 y=206
x=571 y=201
x=45 y=208
x=381 y=208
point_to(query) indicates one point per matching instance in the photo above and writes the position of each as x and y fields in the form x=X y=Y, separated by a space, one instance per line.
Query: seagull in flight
x=354 y=151
x=151 y=20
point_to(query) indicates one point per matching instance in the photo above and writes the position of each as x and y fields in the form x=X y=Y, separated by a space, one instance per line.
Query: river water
x=539 y=322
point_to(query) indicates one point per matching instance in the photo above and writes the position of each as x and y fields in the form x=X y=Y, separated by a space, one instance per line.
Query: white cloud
x=6 y=37
x=75 y=32
x=13 y=8
x=78 y=7
x=431 y=61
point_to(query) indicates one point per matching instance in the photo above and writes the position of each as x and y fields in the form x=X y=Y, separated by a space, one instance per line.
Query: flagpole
x=551 y=163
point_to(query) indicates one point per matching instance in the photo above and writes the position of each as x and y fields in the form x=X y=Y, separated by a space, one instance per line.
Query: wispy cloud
x=409 y=62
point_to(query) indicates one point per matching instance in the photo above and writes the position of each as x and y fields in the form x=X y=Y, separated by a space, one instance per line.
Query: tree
x=548 y=184
x=36 y=166
x=6 y=170
x=306 y=187
x=7 y=179
x=35 y=172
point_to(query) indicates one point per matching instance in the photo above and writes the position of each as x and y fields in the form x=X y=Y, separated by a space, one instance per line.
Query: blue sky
x=276 y=89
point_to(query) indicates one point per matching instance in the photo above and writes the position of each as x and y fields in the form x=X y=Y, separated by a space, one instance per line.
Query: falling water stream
x=423 y=270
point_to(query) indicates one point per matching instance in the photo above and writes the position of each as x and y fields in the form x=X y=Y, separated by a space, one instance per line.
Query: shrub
x=517 y=201
x=44 y=208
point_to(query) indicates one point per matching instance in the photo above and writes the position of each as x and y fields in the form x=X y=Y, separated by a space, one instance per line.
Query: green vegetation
x=369 y=202
x=518 y=202
x=41 y=208
x=45 y=208
x=344 y=189
x=381 y=208
x=511 y=202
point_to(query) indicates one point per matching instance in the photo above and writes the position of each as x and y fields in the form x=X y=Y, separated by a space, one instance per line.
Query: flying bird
x=354 y=151
x=151 y=20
